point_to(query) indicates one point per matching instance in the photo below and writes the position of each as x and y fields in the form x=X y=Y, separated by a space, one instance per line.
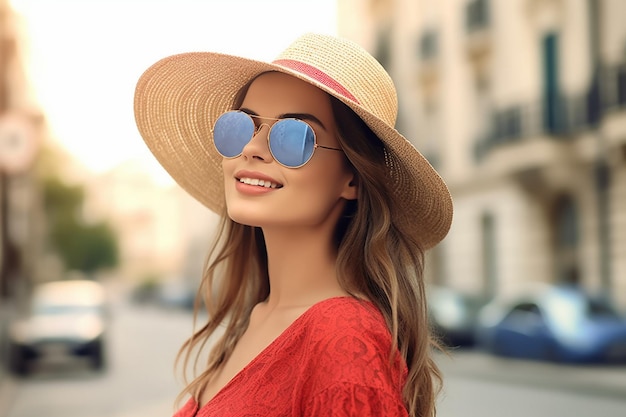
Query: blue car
x=555 y=324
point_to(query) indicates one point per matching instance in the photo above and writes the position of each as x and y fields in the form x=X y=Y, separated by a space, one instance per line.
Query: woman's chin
x=246 y=217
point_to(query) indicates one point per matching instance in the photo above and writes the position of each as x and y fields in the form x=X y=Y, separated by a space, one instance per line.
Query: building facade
x=163 y=233
x=521 y=106
x=22 y=127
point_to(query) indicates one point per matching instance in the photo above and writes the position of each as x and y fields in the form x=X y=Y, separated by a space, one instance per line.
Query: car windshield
x=68 y=297
x=571 y=309
x=57 y=309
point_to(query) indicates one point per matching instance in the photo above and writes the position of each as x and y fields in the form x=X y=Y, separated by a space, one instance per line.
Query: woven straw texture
x=178 y=99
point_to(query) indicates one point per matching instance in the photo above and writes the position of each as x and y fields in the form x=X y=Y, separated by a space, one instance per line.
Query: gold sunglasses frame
x=257 y=129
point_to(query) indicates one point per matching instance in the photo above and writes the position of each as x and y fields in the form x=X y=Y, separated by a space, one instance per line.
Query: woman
x=316 y=273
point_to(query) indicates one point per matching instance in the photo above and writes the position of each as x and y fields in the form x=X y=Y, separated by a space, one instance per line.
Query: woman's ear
x=351 y=188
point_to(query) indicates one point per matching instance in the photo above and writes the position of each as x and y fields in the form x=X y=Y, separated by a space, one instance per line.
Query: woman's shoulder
x=346 y=313
x=346 y=320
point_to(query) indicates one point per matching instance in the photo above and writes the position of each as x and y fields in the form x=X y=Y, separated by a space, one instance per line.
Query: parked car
x=65 y=318
x=176 y=293
x=453 y=315
x=559 y=324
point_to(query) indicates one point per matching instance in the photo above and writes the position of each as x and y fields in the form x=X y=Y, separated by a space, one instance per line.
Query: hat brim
x=178 y=99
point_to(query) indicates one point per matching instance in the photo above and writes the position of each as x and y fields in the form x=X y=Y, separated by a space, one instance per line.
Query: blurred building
x=521 y=106
x=21 y=129
x=163 y=233
x=21 y=211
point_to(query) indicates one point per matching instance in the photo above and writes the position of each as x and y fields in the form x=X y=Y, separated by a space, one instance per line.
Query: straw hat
x=178 y=99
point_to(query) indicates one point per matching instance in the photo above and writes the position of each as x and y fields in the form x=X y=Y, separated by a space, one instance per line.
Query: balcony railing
x=556 y=116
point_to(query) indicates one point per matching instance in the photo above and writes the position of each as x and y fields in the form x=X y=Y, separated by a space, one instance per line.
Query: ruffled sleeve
x=349 y=368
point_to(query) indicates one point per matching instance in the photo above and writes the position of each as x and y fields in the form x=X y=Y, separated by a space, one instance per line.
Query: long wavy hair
x=378 y=258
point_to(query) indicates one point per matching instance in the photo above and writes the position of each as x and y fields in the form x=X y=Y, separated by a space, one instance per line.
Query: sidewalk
x=597 y=380
x=7 y=393
x=6 y=380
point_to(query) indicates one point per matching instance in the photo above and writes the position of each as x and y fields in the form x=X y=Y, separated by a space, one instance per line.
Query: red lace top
x=331 y=361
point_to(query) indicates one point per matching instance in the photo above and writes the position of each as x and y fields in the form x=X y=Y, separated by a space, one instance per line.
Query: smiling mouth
x=259 y=183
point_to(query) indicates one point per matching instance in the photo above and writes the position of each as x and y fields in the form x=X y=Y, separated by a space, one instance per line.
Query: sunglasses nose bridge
x=257 y=129
x=258 y=145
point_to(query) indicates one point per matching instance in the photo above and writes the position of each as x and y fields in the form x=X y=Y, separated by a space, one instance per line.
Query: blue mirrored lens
x=232 y=131
x=292 y=142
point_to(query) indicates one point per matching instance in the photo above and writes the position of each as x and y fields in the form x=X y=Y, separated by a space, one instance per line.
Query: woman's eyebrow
x=301 y=116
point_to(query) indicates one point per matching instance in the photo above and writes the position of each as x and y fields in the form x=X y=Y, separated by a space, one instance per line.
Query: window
x=551 y=110
x=490 y=278
x=428 y=45
x=476 y=15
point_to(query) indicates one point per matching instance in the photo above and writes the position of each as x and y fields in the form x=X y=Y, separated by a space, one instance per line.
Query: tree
x=81 y=246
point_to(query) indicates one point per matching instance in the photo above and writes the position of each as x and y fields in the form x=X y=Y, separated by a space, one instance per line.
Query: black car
x=453 y=315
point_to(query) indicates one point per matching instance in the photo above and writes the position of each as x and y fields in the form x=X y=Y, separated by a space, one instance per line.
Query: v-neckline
x=270 y=348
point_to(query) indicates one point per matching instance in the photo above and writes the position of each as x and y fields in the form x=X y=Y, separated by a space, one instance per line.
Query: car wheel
x=18 y=361
x=97 y=355
x=552 y=354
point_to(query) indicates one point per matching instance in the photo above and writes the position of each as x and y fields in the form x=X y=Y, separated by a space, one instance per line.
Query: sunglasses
x=291 y=141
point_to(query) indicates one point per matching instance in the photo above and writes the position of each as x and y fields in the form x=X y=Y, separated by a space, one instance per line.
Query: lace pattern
x=331 y=361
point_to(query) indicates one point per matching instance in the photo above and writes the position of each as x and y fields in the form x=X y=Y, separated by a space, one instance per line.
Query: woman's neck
x=301 y=266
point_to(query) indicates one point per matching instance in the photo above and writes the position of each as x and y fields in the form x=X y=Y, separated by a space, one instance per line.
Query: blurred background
x=519 y=104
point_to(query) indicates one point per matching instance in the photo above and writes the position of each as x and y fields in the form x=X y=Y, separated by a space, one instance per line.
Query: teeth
x=256 y=181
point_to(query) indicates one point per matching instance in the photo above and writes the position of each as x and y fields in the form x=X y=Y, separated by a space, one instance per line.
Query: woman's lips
x=255 y=183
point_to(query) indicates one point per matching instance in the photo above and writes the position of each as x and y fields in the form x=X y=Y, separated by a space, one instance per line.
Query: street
x=469 y=397
x=140 y=380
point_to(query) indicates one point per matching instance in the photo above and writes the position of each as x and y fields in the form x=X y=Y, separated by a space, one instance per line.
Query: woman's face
x=309 y=196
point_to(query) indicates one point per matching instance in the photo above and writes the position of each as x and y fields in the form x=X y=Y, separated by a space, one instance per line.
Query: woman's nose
x=258 y=147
